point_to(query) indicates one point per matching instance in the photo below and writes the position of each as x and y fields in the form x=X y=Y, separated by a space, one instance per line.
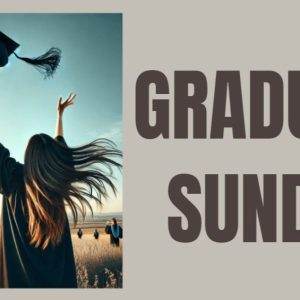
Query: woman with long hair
x=35 y=241
x=115 y=231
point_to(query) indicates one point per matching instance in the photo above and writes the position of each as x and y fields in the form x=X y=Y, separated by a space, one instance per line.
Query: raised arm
x=61 y=106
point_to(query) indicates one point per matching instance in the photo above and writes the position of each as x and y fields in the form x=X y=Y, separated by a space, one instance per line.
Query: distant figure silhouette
x=96 y=234
x=80 y=233
x=115 y=231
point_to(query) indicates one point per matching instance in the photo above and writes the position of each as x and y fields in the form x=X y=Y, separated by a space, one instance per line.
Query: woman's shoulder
x=61 y=139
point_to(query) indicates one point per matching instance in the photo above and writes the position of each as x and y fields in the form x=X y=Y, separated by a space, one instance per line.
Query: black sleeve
x=107 y=229
x=8 y=171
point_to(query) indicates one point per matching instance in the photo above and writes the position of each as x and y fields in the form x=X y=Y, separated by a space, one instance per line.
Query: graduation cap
x=46 y=64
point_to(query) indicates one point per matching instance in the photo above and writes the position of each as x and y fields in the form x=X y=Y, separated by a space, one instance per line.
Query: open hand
x=63 y=104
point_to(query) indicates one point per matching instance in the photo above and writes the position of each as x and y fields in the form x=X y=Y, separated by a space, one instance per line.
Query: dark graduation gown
x=22 y=265
x=113 y=240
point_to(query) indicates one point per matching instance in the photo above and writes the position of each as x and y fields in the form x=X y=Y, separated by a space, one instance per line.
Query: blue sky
x=91 y=67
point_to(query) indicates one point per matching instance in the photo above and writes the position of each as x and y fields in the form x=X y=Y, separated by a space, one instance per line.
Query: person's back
x=79 y=233
x=115 y=231
x=35 y=241
x=23 y=264
x=96 y=234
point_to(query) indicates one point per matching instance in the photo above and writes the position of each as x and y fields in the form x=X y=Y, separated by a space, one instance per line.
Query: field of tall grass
x=98 y=263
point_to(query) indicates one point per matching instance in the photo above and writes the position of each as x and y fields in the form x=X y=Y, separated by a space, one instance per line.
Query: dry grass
x=98 y=264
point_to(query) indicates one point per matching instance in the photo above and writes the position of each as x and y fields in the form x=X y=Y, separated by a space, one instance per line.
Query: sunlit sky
x=91 y=67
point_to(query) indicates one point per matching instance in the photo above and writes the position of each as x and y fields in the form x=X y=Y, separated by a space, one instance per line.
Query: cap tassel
x=46 y=63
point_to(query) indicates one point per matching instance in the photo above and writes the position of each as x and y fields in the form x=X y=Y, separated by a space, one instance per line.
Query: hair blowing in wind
x=57 y=176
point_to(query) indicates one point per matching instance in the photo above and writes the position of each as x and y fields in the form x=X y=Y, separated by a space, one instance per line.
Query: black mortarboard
x=46 y=63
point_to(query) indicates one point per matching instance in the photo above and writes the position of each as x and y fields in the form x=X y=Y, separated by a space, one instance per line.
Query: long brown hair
x=56 y=175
